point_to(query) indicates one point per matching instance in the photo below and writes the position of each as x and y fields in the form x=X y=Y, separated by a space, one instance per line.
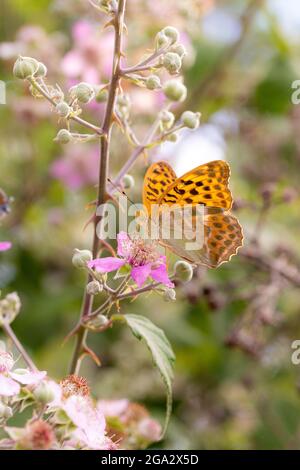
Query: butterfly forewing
x=158 y=177
x=206 y=184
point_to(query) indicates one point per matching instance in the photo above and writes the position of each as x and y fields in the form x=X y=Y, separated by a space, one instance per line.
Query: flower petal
x=160 y=274
x=4 y=246
x=140 y=273
x=8 y=387
x=124 y=244
x=26 y=377
x=106 y=265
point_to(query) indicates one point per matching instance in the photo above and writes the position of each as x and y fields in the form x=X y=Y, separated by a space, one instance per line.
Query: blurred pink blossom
x=91 y=55
x=77 y=168
x=4 y=246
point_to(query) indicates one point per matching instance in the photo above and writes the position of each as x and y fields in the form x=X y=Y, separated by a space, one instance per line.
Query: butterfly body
x=205 y=186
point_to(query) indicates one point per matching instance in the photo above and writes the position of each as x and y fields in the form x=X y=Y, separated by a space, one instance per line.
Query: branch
x=8 y=330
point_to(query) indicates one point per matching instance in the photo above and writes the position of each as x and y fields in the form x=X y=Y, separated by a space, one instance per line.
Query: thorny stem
x=10 y=333
x=119 y=26
x=77 y=119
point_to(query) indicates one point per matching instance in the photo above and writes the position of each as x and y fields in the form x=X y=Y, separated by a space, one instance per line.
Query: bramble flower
x=74 y=385
x=141 y=257
x=38 y=435
x=10 y=380
x=4 y=246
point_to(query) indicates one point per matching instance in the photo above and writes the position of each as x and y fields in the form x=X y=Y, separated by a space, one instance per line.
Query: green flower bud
x=63 y=109
x=153 y=82
x=190 y=119
x=123 y=100
x=128 y=182
x=25 y=67
x=84 y=92
x=41 y=71
x=161 y=40
x=174 y=90
x=64 y=136
x=167 y=119
x=183 y=271
x=5 y=412
x=81 y=258
x=99 y=321
x=179 y=49
x=172 y=62
x=94 y=288
x=10 y=307
x=169 y=295
x=172 y=137
x=102 y=96
x=171 y=33
x=43 y=393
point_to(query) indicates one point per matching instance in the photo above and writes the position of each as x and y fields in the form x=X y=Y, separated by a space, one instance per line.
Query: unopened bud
x=10 y=306
x=161 y=40
x=94 y=288
x=43 y=393
x=167 y=119
x=123 y=100
x=153 y=82
x=179 y=49
x=5 y=412
x=172 y=137
x=64 y=136
x=102 y=96
x=25 y=67
x=172 y=62
x=84 y=92
x=174 y=90
x=81 y=258
x=99 y=321
x=63 y=109
x=171 y=33
x=41 y=71
x=128 y=182
x=183 y=271
x=169 y=295
x=190 y=119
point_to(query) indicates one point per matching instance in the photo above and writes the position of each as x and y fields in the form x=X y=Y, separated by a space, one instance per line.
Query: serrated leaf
x=161 y=351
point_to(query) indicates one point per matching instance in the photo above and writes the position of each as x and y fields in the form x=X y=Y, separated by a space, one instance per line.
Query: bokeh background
x=231 y=328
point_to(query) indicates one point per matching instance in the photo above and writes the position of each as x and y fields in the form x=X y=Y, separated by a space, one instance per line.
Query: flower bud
x=84 y=92
x=190 y=119
x=64 y=136
x=172 y=137
x=41 y=71
x=102 y=96
x=81 y=258
x=171 y=33
x=25 y=67
x=5 y=412
x=153 y=82
x=167 y=119
x=63 y=109
x=179 y=49
x=183 y=271
x=161 y=40
x=128 y=182
x=172 y=62
x=123 y=100
x=94 y=288
x=169 y=295
x=99 y=321
x=174 y=90
x=10 y=306
x=43 y=393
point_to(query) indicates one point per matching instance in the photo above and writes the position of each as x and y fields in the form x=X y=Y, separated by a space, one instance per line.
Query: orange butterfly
x=206 y=185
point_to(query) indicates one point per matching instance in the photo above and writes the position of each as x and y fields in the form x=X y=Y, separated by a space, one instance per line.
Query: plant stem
x=10 y=333
x=103 y=172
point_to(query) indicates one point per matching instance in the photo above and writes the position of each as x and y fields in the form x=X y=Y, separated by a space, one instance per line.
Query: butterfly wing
x=222 y=237
x=207 y=184
x=158 y=178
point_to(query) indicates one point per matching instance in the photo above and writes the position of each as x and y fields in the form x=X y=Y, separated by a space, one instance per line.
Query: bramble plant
x=64 y=415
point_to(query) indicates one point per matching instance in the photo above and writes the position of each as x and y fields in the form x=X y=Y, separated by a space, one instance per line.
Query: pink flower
x=91 y=54
x=89 y=421
x=10 y=381
x=4 y=246
x=77 y=168
x=141 y=257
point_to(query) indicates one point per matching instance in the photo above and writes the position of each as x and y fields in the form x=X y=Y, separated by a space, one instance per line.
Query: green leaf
x=123 y=271
x=161 y=351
